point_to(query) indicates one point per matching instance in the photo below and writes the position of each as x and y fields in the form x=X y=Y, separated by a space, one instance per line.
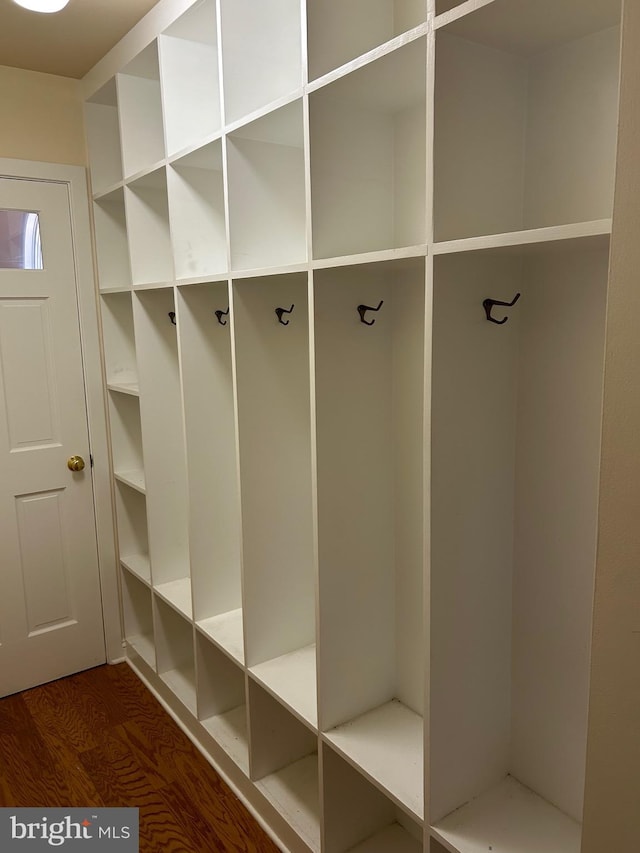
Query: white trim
x=76 y=179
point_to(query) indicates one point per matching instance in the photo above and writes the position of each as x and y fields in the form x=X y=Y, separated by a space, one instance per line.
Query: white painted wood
x=178 y=594
x=148 y=227
x=103 y=137
x=291 y=678
x=51 y=612
x=131 y=515
x=139 y=565
x=124 y=388
x=261 y=53
x=339 y=32
x=392 y=839
x=386 y=744
x=126 y=436
x=273 y=381
x=119 y=340
x=266 y=191
x=294 y=792
x=221 y=682
x=134 y=479
x=226 y=631
x=112 y=248
x=175 y=654
x=138 y=617
x=140 y=112
x=188 y=58
x=367 y=157
x=230 y=731
x=589 y=234
x=508 y=819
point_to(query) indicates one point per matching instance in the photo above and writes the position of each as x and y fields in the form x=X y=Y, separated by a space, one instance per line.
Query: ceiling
x=69 y=42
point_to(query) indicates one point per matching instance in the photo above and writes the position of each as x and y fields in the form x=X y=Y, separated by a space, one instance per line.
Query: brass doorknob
x=75 y=463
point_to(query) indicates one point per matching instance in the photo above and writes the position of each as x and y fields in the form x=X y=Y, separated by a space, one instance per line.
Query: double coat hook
x=488 y=306
x=220 y=314
x=362 y=310
x=281 y=311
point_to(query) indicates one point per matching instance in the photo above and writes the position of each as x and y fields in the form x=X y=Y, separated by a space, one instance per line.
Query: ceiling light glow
x=42 y=5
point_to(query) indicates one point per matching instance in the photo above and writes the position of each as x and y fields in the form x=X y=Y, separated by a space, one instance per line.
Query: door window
x=20 y=246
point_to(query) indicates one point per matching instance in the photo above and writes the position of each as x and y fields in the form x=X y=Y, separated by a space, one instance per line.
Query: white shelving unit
x=356 y=519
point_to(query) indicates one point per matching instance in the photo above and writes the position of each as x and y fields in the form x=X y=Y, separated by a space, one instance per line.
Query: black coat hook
x=172 y=317
x=281 y=311
x=220 y=314
x=362 y=310
x=489 y=303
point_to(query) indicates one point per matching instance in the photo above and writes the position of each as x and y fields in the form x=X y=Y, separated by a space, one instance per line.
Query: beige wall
x=41 y=117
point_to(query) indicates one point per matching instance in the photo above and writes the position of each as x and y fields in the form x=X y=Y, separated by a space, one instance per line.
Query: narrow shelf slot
x=119 y=340
x=293 y=790
x=225 y=630
x=140 y=109
x=188 y=54
x=139 y=565
x=508 y=818
x=261 y=53
x=519 y=80
x=292 y=679
x=138 y=617
x=134 y=479
x=391 y=839
x=587 y=234
x=266 y=191
x=338 y=32
x=148 y=223
x=131 y=515
x=112 y=247
x=196 y=213
x=103 y=137
x=130 y=388
x=178 y=594
x=126 y=440
x=368 y=172
x=174 y=645
x=222 y=700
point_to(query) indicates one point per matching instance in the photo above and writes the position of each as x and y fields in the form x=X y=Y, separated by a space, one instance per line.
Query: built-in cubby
x=338 y=32
x=140 y=112
x=358 y=817
x=147 y=213
x=103 y=138
x=112 y=248
x=138 y=617
x=369 y=381
x=126 y=439
x=163 y=445
x=526 y=101
x=133 y=537
x=188 y=51
x=195 y=186
x=175 y=653
x=368 y=165
x=267 y=211
x=222 y=703
x=212 y=463
x=284 y=764
x=514 y=495
x=261 y=53
x=119 y=343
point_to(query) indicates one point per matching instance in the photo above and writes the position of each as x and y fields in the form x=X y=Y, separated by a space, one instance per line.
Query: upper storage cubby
x=119 y=342
x=526 y=102
x=140 y=109
x=188 y=52
x=148 y=225
x=368 y=166
x=196 y=212
x=338 y=32
x=112 y=248
x=266 y=191
x=103 y=138
x=261 y=53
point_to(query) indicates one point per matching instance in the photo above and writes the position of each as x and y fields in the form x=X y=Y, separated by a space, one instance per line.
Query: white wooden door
x=50 y=603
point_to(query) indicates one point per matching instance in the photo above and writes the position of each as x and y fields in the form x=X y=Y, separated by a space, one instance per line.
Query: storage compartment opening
x=119 y=341
x=138 y=617
x=112 y=248
x=126 y=437
x=174 y=646
x=148 y=223
x=103 y=137
x=139 y=103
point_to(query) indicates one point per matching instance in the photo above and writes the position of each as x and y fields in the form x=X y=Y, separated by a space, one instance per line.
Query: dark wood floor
x=100 y=738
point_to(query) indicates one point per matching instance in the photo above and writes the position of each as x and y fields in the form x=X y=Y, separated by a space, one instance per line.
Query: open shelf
x=174 y=645
x=368 y=173
x=148 y=224
x=508 y=819
x=292 y=679
x=359 y=817
x=369 y=383
x=133 y=479
x=119 y=340
x=535 y=86
x=443 y=6
x=103 y=137
x=126 y=439
x=196 y=212
x=284 y=762
x=266 y=191
x=139 y=565
x=162 y=435
x=178 y=594
x=130 y=388
x=225 y=630
x=261 y=53
x=140 y=109
x=587 y=234
x=273 y=388
x=188 y=53
x=338 y=32
x=222 y=700
x=138 y=617
x=516 y=550
x=112 y=248
x=387 y=745
x=133 y=542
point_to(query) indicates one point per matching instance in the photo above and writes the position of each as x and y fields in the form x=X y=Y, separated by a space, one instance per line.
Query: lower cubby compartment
x=222 y=707
x=126 y=439
x=133 y=541
x=138 y=617
x=284 y=764
x=359 y=817
x=175 y=656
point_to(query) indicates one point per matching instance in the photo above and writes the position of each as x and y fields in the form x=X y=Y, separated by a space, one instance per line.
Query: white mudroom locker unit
x=353 y=261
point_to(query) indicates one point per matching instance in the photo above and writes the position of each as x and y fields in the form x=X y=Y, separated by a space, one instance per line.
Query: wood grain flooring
x=99 y=738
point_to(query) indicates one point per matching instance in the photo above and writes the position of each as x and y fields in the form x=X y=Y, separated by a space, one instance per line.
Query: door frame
x=75 y=178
